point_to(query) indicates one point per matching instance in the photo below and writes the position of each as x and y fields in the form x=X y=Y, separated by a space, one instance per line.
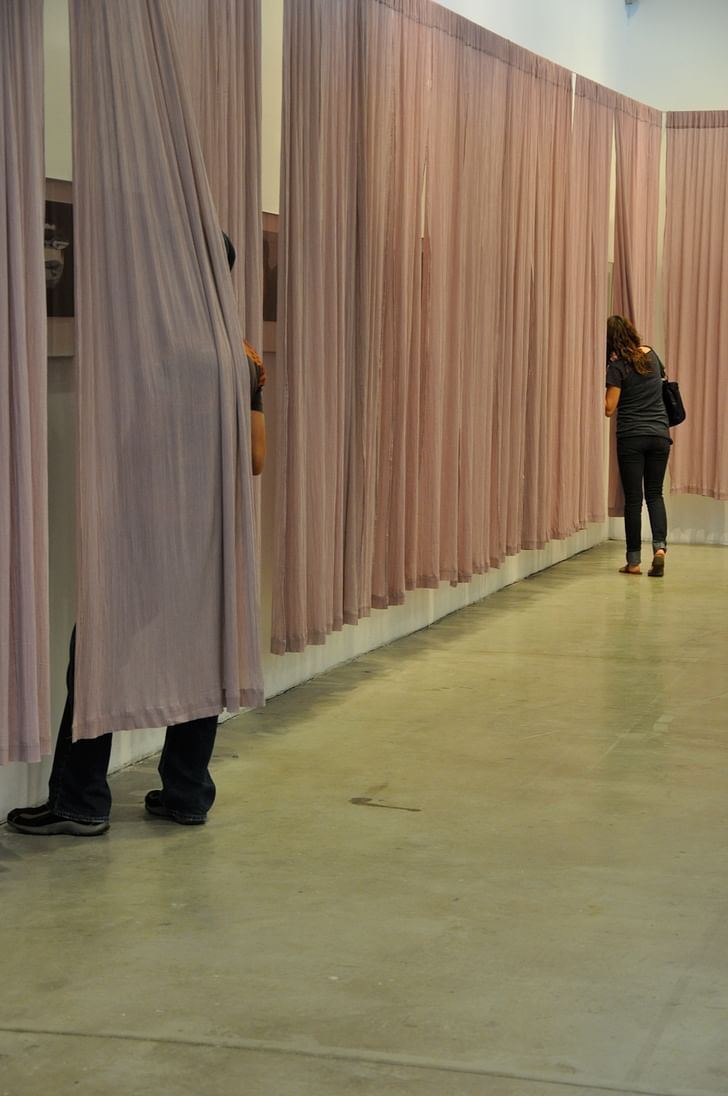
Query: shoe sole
x=66 y=827
x=170 y=818
x=154 y=807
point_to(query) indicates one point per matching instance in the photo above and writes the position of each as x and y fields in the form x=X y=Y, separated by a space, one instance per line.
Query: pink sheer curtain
x=323 y=430
x=638 y=130
x=220 y=51
x=167 y=608
x=444 y=383
x=24 y=682
x=390 y=319
x=219 y=44
x=588 y=241
x=696 y=274
x=496 y=311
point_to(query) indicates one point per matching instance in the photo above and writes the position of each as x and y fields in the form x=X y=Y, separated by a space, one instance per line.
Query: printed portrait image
x=58 y=250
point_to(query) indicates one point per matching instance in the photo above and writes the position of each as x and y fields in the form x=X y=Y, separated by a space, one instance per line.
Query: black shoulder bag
x=674 y=405
x=672 y=399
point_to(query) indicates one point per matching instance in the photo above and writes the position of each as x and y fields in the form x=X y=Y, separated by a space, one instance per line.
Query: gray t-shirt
x=640 y=410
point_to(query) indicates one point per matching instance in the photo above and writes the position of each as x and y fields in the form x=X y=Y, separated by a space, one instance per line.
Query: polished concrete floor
x=490 y=860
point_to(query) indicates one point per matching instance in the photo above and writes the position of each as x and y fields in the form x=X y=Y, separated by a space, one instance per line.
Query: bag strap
x=663 y=374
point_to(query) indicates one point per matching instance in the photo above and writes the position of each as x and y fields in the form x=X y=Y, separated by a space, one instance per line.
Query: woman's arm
x=257 y=441
x=611 y=400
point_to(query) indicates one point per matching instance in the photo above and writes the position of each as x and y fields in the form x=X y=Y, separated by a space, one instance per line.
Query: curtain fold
x=638 y=132
x=390 y=266
x=167 y=611
x=219 y=43
x=589 y=284
x=323 y=404
x=554 y=366
x=696 y=276
x=24 y=673
x=467 y=393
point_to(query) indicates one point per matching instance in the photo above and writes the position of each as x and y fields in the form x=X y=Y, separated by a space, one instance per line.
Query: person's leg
x=188 y=790
x=78 y=787
x=630 y=456
x=656 y=459
x=79 y=798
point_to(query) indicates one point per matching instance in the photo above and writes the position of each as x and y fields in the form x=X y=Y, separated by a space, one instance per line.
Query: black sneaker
x=16 y=811
x=153 y=805
x=45 y=823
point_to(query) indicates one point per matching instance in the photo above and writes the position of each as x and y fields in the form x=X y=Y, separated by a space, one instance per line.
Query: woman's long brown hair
x=623 y=340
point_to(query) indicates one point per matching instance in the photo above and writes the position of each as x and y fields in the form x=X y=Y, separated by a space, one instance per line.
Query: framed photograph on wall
x=58 y=251
x=270 y=281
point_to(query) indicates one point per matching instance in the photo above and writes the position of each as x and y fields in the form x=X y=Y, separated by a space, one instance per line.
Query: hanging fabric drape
x=166 y=607
x=220 y=49
x=434 y=410
x=219 y=44
x=24 y=682
x=395 y=408
x=589 y=284
x=638 y=132
x=696 y=296
x=551 y=393
x=321 y=469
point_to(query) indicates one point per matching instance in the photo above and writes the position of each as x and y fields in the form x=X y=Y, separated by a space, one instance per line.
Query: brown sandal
x=657 y=570
x=626 y=570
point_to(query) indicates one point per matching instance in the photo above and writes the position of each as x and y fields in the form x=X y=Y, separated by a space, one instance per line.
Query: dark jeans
x=643 y=459
x=78 y=787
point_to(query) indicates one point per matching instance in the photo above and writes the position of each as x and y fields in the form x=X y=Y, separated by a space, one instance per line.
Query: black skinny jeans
x=78 y=787
x=643 y=459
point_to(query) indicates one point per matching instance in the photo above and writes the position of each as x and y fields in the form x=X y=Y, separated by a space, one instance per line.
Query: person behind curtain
x=634 y=394
x=79 y=797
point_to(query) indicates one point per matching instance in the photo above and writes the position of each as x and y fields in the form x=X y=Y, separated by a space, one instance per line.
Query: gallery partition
x=435 y=405
x=696 y=276
x=442 y=363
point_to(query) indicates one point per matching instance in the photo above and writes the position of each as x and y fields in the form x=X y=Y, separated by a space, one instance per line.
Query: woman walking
x=634 y=393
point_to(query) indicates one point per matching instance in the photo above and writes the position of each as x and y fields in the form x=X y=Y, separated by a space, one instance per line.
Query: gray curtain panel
x=24 y=680
x=437 y=315
x=167 y=610
x=696 y=276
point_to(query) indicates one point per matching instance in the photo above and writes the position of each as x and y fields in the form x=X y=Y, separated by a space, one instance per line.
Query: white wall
x=272 y=99
x=669 y=53
x=58 y=148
